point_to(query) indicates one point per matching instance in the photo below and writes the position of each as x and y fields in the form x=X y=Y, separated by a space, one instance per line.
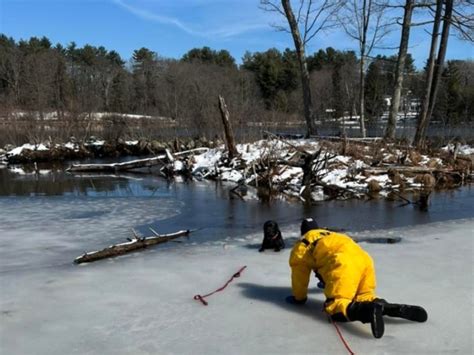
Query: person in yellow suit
x=347 y=274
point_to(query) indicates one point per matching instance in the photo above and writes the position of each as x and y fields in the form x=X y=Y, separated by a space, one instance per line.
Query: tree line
x=367 y=23
x=37 y=76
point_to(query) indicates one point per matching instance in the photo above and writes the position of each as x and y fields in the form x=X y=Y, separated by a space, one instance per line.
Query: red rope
x=201 y=298
x=341 y=337
x=237 y=274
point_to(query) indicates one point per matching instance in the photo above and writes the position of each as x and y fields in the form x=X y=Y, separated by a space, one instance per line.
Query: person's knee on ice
x=272 y=238
x=293 y=300
x=334 y=306
x=368 y=312
x=344 y=310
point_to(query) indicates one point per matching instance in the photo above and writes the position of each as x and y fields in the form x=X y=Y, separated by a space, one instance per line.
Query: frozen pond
x=142 y=303
x=49 y=218
x=104 y=208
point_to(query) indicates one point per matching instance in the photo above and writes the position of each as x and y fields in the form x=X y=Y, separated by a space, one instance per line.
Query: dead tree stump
x=229 y=135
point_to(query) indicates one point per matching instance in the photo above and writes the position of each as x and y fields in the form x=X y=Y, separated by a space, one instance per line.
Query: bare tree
x=11 y=62
x=402 y=54
x=365 y=22
x=434 y=68
x=463 y=19
x=310 y=19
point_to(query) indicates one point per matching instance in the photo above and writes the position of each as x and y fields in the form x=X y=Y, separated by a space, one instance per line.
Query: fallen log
x=128 y=165
x=136 y=243
x=133 y=164
x=408 y=169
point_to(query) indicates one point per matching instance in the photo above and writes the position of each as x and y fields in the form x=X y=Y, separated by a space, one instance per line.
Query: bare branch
x=268 y=5
x=421 y=23
x=298 y=18
x=325 y=15
x=310 y=17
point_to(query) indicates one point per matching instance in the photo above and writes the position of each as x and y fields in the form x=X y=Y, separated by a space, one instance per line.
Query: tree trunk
x=443 y=46
x=366 y=12
x=402 y=54
x=423 y=116
x=229 y=135
x=305 y=80
x=362 y=97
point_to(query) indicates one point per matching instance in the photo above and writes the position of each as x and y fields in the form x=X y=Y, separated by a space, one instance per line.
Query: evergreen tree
x=206 y=55
x=276 y=74
x=144 y=66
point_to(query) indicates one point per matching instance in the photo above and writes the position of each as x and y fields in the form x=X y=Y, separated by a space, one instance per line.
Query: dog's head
x=270 y=229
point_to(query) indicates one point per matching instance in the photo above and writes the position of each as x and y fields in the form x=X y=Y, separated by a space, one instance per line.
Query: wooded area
x=71 y=85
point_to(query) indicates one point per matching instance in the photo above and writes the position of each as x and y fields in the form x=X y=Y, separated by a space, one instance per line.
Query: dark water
x=210 y=206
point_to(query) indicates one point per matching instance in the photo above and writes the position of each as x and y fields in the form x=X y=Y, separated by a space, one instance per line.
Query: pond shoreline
x=303 y=170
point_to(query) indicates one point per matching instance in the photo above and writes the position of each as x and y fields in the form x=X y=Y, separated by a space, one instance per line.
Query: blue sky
x=172 y=27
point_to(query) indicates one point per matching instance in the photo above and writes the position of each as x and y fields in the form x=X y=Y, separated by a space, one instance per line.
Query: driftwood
x=134 y=164
x=140 y=163
x=408 y=169
x=135 y=243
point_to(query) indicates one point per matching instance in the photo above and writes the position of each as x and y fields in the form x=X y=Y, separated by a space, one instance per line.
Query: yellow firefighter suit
x=345 y=268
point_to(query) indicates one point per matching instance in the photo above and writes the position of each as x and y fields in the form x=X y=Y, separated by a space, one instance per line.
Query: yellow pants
x=348 y=283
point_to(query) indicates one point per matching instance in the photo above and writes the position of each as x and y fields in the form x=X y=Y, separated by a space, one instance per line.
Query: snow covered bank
x=460 y=148
x=143 y=303
x=318 y=169
x=95 y=148
x=53 y=116
x=305 y=169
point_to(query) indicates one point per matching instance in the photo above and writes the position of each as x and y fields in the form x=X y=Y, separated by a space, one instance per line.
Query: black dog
x=272 y=238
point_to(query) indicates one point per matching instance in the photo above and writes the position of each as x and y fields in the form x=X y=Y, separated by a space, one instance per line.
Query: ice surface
x=38 y=232
x=142 y=303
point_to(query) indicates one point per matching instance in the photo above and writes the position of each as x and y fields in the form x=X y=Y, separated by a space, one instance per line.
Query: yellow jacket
x=346 y=269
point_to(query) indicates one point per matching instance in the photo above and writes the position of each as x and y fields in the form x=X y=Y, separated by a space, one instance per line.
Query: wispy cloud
x=147 y=15
x=223 y=32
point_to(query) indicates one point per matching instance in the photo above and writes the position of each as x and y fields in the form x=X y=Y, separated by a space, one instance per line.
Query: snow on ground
x=463 y=149
x=68 y=145
x=19 y=150
x=53 y=115
x=143 y=303
x=344 y=172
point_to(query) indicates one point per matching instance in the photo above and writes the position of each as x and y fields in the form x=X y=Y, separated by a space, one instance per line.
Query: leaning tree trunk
x=443 y=46
x=402 y=54
x=305 y=80
x=423 y=116
x=229 y=135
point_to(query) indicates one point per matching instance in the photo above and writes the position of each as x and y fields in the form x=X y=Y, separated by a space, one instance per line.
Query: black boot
x=368 y=312
x=405 y=311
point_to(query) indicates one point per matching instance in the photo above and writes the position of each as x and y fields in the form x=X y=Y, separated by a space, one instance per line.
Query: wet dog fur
x=272 y=238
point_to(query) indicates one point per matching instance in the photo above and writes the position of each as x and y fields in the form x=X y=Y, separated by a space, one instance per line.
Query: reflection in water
x=209 y=205
x=55 y=182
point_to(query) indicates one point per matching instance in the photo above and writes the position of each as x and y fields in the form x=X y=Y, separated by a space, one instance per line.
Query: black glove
x=293 y=300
